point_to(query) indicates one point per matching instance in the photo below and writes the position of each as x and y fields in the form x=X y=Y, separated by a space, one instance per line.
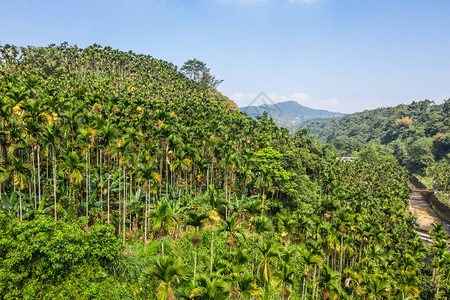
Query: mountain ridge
x=289 y=114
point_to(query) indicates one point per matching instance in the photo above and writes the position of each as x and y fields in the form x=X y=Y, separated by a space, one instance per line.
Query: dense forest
x=123 y=178
x=417 y=135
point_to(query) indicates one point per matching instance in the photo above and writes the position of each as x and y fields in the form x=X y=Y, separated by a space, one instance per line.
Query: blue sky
x=340 y=55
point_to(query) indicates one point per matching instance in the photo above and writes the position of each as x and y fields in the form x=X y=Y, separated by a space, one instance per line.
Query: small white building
x=346 y=158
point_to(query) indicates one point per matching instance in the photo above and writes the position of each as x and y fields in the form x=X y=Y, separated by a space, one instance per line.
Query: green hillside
x=418 y=134
x=121 y=178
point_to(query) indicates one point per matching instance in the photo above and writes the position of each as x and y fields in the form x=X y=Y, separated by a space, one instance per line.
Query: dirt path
x=424 y=213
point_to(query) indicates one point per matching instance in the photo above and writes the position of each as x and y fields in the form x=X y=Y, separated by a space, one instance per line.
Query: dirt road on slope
x=424 y=213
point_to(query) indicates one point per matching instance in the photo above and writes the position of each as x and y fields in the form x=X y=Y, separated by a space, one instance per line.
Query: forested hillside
x=418 y=135
x=122 y=178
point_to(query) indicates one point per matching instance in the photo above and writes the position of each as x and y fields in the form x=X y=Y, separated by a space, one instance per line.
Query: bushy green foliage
x=45 y=259
x=440 y=173
x=418 y=133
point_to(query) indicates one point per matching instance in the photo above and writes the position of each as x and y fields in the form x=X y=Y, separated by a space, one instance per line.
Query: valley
x=122 y=177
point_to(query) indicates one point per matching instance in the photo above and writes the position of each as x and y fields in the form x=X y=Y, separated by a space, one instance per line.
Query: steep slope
x=105 y=109
x=288 y=114
x=122 y=179
x=418 y=133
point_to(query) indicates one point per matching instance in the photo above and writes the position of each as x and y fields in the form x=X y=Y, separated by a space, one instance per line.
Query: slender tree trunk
x=101 y=186
x=120 y=203
x=360 y=251
x=47 y=172
x=124 y=208
x=1 y=157
x=30 y=193
x=190 y=183
x=161 y=174
x=253 y=251
x=87 y=188
x=341 y=262
x=263 y=198
x=145 y=220
x=212 y=172
x=34 y=179
x=109 y=186
x=207 y=178
x=314 y=281
x=303 y=288
x=54 y=184
x=437 y=288
x=167 y=173
x=20 y=204
x=131 y=195
x=195 y=264
x=226 y=197
x=212 y=250
x=317 y=287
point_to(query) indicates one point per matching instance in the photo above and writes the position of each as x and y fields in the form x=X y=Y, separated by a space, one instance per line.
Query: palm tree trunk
x=212 y=250
x=437 y=288
x=124 y=207
x=131 y=195
x=87 y=189
x=212 y=172
x=161 y=174
x=109 y=185
x=101 y=186
x=341 y=262
x=47 y=164
x=226 y=197
x=20 y=204
x=167 y=173
x=145 y=220
x=303 y=288
x=314 y=281
x=207 y=178
x=31 y=193
x=195 y=264
x=120 y=203
x=253 y=251
x=34 y=179
x=39 y=175
x=54 y=183
x=190 y=182
x=263 y=197
x=360 y=251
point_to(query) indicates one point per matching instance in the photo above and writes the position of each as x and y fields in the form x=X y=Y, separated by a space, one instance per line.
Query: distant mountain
x=288 y=114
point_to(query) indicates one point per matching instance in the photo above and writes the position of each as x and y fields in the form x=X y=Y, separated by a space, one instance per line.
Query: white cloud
x=249 y=1
x=245 y=1
x=304 y=1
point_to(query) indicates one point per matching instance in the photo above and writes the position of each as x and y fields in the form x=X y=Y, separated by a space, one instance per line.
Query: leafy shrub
x=45 y=257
